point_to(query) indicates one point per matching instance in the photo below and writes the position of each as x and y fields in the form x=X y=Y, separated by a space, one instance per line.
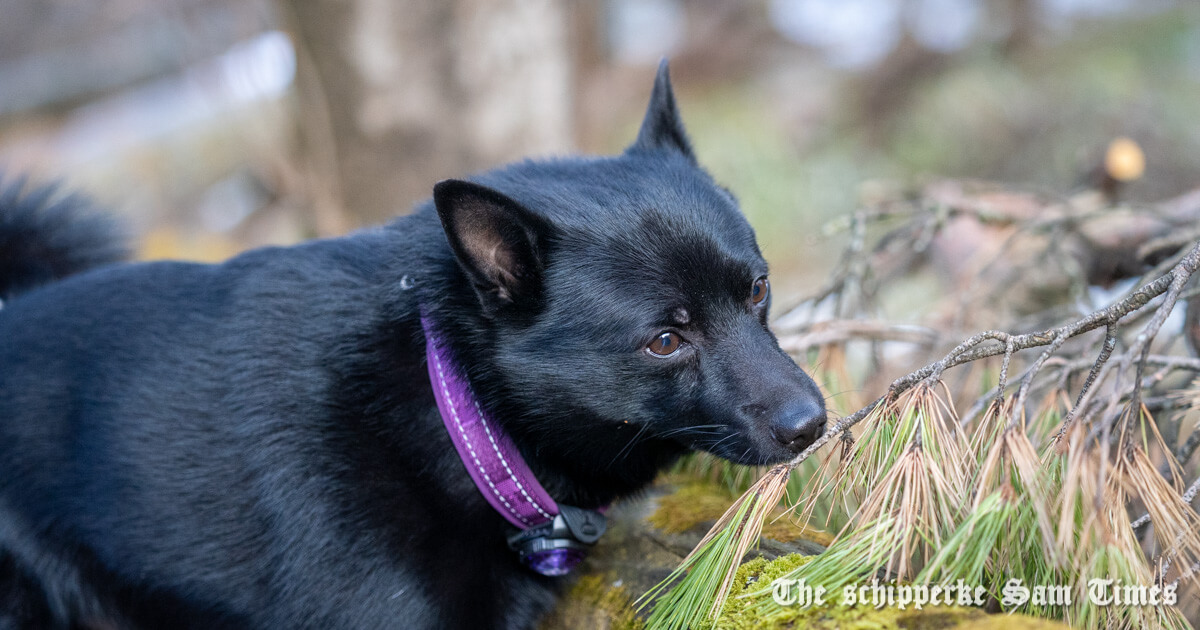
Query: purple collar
x=553 y=538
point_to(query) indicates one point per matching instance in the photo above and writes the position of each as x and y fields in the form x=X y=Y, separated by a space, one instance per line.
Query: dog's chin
x=754 y=454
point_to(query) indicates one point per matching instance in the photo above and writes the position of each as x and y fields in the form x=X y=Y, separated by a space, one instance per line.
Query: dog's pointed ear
x=498 y=242
x=662 y=128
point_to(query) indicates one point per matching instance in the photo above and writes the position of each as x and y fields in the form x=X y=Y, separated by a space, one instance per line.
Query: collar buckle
x=560 y=545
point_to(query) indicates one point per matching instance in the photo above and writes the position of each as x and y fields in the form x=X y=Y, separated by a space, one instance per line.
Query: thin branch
x=1189 y=448
x=830 y=332
x=1085 y=393
x=1189 y=495
x=993 y=396
x=1019 y=406
x=1192 y=570
x=974 y=348
x=1179 y=276
x=849 y=269
x=1002 y=384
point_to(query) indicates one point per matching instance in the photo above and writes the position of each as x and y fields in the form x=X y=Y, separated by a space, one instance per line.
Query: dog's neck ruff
x=553 y=538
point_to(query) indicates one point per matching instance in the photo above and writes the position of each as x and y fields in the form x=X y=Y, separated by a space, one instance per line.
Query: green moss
x=595 y=602
x=701 y=503
x=1004 y=622
x=688 y=507
x=744 y=613
x=785 y=530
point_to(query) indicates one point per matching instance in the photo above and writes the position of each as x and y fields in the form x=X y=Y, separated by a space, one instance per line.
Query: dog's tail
x=46 y=235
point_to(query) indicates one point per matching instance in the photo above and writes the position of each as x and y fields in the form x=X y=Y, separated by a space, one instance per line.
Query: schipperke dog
x=278 y=441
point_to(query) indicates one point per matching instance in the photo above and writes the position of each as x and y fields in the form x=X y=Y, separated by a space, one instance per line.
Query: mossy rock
x=596 y=601
x=701 y=504
x=747 y=614
x=648 y=538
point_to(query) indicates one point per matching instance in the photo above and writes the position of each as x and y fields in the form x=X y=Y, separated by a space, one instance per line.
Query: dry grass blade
x=708 y=571
x=848 y=560
x=920 y=416
x=1176 y=524
x=1077 y=490
x=820 y=484
x=1037 y=482
x=905 y=495
x=968 y=550
x=770 y=490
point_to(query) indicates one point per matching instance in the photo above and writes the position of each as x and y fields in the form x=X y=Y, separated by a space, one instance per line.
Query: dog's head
x=624 y=304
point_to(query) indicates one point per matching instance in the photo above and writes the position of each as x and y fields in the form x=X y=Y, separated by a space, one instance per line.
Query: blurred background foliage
x=218 y=125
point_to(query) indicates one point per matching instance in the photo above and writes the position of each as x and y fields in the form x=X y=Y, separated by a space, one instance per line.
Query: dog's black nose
x=799 y=424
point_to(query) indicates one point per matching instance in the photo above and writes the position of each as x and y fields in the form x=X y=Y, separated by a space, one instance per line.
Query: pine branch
x=975 y=348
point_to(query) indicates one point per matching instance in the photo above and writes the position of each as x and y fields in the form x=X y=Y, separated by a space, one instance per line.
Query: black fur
x=255 y=444
x=47 y=236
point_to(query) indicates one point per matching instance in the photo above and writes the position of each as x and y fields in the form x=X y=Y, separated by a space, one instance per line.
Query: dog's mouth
x=760 y=447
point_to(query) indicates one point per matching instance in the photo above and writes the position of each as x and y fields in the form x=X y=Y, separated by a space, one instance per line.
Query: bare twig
x=836 y=331
x=975 y=347
x=1186 y=451
x=1192 y=570
x=1023 y=391
x=993 y=396
x=1085 y=392
x=1003 y=382
x=1179 y=278
x=849 y=272
x=1189 y=495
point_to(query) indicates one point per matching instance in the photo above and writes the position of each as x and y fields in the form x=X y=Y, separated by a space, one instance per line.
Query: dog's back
x=154 y=407
x=248 y=444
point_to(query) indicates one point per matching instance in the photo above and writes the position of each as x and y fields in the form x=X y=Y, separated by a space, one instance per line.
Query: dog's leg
x=46 y=589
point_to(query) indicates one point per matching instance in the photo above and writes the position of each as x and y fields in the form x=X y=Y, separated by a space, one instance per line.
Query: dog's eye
x=665 y=345
x=760 y=290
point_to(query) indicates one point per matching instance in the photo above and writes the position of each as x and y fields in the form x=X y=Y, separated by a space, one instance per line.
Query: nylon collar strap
x=553 y=538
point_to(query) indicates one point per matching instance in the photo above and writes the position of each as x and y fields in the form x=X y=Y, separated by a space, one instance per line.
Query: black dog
x=256 y=444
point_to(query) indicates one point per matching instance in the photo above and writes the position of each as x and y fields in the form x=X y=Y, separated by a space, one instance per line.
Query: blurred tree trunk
x=395 y=95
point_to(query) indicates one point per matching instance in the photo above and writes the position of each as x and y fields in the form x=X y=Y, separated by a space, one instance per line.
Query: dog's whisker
x=704 y=428
x=853 y=390
x=714 y=445
x=629 y=445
